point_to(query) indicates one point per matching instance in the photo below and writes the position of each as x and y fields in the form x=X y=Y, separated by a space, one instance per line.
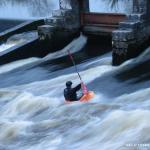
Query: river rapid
x=34 y=114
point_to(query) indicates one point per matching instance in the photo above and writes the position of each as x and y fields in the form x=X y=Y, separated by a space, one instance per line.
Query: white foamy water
x=35 y=116
x=18 y=39
x=16 y=64
x=74 y=46
x=4 y=47
x=105 y=6
x=11 y=11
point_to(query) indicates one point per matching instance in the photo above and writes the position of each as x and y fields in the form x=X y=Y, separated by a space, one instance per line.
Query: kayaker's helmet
x=68 y=84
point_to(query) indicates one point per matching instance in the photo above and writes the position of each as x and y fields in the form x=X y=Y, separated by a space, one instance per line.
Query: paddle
x=83 y=86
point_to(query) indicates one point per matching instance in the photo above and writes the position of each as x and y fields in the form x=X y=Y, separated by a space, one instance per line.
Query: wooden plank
x=98 y=30
x=102 y=18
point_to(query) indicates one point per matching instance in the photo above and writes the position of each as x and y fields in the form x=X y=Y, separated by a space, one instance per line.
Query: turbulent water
x=34 y=115
x=27 y=9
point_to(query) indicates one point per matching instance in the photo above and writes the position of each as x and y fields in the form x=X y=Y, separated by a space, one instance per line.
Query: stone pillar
x=63 y=25
x=139 y=6
x=132 y=33
x=80 y=4
x=68 y=17
x=74 y=5
x=84 y=5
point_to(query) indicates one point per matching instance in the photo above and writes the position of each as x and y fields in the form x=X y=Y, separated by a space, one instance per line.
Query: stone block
x=137 y=17
x=123 y=35
x=120 y=51
x=56 y=21
x=130 y=25
x=46 y=32
x=118 y=44
x=62 y=12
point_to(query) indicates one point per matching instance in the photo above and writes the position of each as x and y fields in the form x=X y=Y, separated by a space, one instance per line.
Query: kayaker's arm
x=77 y=88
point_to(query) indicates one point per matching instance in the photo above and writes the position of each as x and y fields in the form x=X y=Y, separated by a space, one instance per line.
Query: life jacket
x=70 y=94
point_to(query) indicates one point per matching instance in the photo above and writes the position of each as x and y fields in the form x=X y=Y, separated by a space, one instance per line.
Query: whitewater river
x=34 y=116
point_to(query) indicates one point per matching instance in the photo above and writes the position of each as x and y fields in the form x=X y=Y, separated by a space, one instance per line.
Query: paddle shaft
x=76 y=69
x=84 y=88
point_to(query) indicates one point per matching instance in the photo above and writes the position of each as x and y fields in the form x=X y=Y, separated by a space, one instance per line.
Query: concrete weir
x=23 y=50
x=129 y=32
x=23 y=27
x=36 y=47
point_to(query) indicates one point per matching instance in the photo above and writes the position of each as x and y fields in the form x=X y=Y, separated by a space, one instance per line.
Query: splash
x=26 y=10
x=106 y=7
x=35 y=116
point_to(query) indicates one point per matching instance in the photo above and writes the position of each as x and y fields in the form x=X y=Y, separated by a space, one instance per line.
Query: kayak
x=85 y=98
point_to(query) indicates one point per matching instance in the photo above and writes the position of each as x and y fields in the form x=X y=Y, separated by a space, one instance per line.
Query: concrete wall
x=24 y=50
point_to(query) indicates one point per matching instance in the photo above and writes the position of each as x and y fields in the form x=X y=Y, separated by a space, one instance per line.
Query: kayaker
x=70 y=93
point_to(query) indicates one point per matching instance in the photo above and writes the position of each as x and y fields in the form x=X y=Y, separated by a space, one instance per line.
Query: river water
x=34 y=115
